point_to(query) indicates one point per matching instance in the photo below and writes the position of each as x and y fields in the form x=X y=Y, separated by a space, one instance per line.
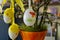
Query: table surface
x=49 y=38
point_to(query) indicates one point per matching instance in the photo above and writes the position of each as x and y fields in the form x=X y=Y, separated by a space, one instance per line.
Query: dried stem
x=36 y=23
x=44 y=12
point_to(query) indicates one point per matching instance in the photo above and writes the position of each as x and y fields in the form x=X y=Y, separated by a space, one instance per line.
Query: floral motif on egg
x=32 y=13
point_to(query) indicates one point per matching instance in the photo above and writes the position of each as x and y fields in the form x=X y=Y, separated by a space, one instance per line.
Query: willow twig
x=46 y=2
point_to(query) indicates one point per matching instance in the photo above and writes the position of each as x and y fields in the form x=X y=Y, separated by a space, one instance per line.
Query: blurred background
x=53 y=30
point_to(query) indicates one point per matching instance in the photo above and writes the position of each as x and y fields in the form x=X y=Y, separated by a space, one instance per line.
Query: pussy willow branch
x=36 y=23
x=44 y=12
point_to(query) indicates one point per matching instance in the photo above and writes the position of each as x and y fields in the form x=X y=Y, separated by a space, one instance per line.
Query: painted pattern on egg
x=32 y=13
x=29 y=17
x=7 y=19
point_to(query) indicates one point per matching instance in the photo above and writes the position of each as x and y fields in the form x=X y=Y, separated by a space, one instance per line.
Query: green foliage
x=32 y=28
x=41 y=26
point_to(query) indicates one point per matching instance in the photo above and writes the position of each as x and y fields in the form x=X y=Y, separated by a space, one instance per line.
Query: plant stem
x=37 y=16
x=44 y=12
x=36 y=23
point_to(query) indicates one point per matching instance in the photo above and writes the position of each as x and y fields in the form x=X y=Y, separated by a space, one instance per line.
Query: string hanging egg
x=29 y=16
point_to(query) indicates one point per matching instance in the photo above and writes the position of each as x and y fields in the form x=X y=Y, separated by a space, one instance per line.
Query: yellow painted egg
x=8 y=15
x=13 y=31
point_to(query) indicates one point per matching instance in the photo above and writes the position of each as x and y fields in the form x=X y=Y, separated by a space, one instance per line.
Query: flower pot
x=33 y=35
x=36 y=0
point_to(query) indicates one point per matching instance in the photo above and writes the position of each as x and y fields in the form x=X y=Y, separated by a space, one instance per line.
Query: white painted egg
x=13 y=31
x=6 y=19
x=29 y=17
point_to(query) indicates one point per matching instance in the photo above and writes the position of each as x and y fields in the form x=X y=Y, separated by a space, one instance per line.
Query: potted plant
x=34 y=31
x=31 y=29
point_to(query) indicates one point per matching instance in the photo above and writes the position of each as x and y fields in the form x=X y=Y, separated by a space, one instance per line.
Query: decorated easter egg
x=29 y=17
x=6 y=19
x=13 y=31
x=8 y=15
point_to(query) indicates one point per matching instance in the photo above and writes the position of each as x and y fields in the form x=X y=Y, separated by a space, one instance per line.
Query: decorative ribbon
x=12 y=8
x=21 y=5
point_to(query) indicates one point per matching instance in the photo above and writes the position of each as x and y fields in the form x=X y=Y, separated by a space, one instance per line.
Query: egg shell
x=13 y=31
x=8 y=15
x=28 y=18
x=6 y=19
x=13 y=35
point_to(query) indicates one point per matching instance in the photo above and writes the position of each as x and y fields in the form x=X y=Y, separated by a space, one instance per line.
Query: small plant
x=41 y=26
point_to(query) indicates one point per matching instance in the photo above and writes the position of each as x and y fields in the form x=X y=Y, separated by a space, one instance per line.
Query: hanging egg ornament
x=13 y=31
x=8 y=15
x=6 y=19
x=29 y=17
